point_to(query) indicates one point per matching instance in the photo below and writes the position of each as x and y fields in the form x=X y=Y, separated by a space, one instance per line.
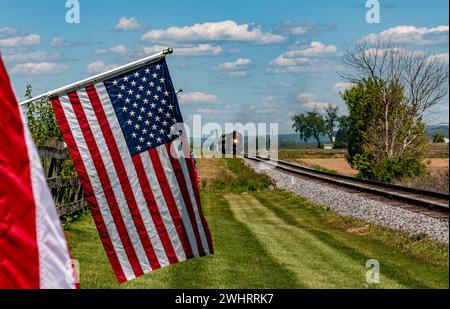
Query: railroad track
x=431 y=203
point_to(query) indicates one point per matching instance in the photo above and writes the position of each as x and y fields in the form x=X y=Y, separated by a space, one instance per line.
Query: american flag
x=144 y=198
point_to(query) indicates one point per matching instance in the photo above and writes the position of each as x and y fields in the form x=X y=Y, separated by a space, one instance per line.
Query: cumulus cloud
x=213 y=31
x=342 y=86
x=194 y=50
x=313 y=50
x=18 y=41
x=237 y=74
x=60 y=42
x=307 y=59
x=440 y=57
x=233 y=65
x=99 y=67
x=305 y=97
x=411 y=34
x=38 y=68
x=7 y=32
x=34 y=56
x=128 y=24
x=197 y=97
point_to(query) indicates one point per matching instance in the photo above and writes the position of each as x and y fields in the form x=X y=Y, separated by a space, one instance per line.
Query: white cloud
x=197 y=97
x=17 y=41
x=196 y=50
x=237 y=74
x=234 y=65
x=117 y=49
x=411 y=34
x=342 y=86
x=213 y=31
x=315 y=49
x=307 y=59
x=317 y=105
x=305 y=97
x=440 y=57
x=99 y=67
x=128 y=24
x=34 y=56
x=39 y=68
x=302 y=28
x=7 y=32
x=59 y=42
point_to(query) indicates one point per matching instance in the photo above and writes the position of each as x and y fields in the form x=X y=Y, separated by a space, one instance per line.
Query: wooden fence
x=66 y=191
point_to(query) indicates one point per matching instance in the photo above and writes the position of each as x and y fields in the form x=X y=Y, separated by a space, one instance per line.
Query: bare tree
x=409 y=81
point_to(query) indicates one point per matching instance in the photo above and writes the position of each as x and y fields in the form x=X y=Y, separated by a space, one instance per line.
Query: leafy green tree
x=331 y=119
x=341 y=141
x=438 y=138
x=309 y=125
x=41 y=120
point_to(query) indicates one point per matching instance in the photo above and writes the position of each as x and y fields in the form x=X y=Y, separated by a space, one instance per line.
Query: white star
x=145 y=101
x=136 y=74
x=139 y=118
x=130 y=91
x=154 y=75
x=114 y=83
x=157 y=118
x=134 y=135
x=148 y=92
x=168 y=115
x=122 y=87
x=141 y=139
x=147 y=122
x=154 y=127
x=165 y=123
x=129 y=122
x=120 y=96
x=144 y=79
x=125 y=78
x=141 y=88
x=144 y=131
x=138 y=96
x=137 y=126
x=152 y=84
x=162 y=80
x=170 y=106
x=162 y=131
x=147 y=70
x=160 y=110
x=163 y=101
x=158 y=88
x=149 y=144
x=158 y=140
x=132 y=113
x=153 y=105
x=133 y=83
x=155 y=97
x=135 y=105
x=142 y=109
x=150 y=114
x=138 y=148
x=158 y=66
x=152 y=135
x=124 y=108
x=166 y=93
x=127 y=100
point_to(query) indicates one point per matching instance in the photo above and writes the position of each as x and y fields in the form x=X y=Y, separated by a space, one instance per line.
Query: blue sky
x=237 y=61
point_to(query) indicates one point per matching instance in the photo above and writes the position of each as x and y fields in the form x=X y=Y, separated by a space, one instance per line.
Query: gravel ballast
x=355 y=205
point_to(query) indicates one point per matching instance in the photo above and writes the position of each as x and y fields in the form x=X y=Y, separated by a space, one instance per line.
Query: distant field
x=269 y=238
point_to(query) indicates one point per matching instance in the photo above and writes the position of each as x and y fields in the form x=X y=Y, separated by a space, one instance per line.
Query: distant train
x=232 y=144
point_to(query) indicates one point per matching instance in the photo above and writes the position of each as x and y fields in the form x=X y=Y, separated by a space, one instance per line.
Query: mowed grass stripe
x=398 y=268
x=314 y=254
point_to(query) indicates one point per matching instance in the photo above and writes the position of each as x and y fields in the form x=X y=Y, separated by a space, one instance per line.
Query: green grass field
x=268 y=238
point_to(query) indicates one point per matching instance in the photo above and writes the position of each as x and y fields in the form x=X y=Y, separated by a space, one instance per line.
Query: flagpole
x=101 y=76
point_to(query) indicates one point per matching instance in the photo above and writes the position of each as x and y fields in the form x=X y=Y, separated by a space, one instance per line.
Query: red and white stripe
x=33 y=249
x=146 y=207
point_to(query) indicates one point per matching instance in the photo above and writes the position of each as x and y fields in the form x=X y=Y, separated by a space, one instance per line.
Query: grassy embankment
x=268 y=238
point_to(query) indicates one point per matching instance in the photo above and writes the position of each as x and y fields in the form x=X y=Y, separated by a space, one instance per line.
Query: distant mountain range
x=443 y=128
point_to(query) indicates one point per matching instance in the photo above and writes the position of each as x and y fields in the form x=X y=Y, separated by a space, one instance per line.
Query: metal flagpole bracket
x=101 y=76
